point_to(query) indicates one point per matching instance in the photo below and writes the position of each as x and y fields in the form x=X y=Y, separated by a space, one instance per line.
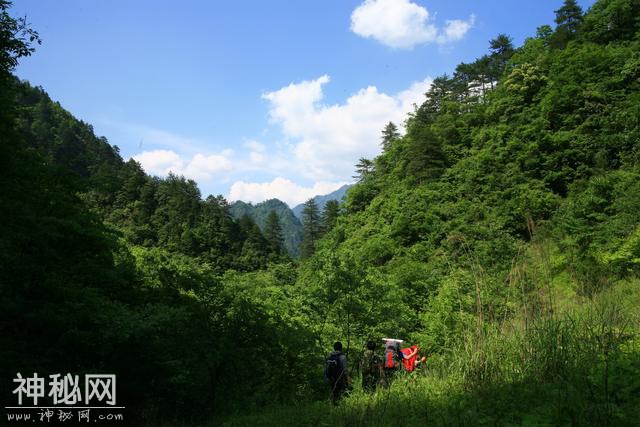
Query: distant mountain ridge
x=321 y=200
x=290 y=219
x=291 y=225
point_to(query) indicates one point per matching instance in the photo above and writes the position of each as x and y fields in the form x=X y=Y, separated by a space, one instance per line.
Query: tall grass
x=561 y=358
x=579 y=366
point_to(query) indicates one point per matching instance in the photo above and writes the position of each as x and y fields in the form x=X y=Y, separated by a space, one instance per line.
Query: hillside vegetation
x=289 y=223
x=500 y=233
x=321 y=200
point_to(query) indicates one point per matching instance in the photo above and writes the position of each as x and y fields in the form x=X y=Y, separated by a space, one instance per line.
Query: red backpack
x=409 y=364
x=391 y=358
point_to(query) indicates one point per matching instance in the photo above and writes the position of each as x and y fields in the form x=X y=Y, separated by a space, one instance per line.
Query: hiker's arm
x=412 y=353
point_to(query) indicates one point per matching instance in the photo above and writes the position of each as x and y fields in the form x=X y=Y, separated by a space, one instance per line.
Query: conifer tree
x=501 y=50
x=273 y=232
x=425 y=158
x=364 y=168
x=311 y=228
x=568 y=19
x=389 y=134
x=439 y=92
x=330 y=215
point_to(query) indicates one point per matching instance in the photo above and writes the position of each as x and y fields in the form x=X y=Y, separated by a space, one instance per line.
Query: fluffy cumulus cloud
x=159 y=162
x=403 y=24
x=319 y=144
x=200 y=167
x=280 y=188
x=328 y=140
x=455 y=29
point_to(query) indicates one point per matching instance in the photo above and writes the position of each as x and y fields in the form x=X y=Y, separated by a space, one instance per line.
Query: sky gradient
x=257 y=99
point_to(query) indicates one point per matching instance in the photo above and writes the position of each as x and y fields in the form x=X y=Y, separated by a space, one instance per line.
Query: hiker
x=371 y=368
x=411 y=358
x=395 y=358
x=336 y=372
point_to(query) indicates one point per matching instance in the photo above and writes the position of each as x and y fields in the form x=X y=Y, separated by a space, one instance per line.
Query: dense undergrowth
x=576 y=365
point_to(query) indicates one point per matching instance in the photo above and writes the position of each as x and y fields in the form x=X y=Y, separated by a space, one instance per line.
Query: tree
x=389 y=135
x=568 y=19
x=501 y=50
x=424 y=158
x=611 y=20
x=16 y=38
x=544 y=33
x=16 y=41
x=311 y=228
x=440 y=91
x=178 y=209
x=273 y=232
x=364 y=168
x=255 y=247
x=330 y=215
x=465 y=76
x=502 y=45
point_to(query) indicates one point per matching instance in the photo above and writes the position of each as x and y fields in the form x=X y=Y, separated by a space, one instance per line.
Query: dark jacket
x=342 y=363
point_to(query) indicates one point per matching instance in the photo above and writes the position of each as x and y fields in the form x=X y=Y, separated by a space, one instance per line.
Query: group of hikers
x=376 y=370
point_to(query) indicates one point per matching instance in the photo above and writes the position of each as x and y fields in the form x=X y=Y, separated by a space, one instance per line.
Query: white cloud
x=413 y=96
x=159 y=162
x=456 y=29
x=200 y=167
x=203 y=167
x=402 y=24
x=329 y=140
x=295 y=100
x=280 y=188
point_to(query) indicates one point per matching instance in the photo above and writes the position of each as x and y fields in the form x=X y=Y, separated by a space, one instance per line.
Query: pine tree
x=501 y=50
x=250 y=231
x=424 y=158
x=255 y=248
x=568 y=19
x=273 y=232
x=330 y=215
x=389 y=134
x=311 y=228
x=364 y=168
x=440 y=91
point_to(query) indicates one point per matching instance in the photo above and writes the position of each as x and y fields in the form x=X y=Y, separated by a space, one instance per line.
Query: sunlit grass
x=578 y=366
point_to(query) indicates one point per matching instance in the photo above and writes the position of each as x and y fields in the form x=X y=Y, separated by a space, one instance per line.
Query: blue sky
x=257 y=99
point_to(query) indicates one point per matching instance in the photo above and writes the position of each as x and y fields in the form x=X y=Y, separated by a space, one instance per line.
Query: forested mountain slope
x=550 y=152
x=149 y=211
x=291 y=225
x=501 y=235
x=106 y=269
x=508 y=213
x=321 y=200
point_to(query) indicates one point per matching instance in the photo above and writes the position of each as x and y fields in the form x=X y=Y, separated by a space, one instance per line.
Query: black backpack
x=333 y=369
